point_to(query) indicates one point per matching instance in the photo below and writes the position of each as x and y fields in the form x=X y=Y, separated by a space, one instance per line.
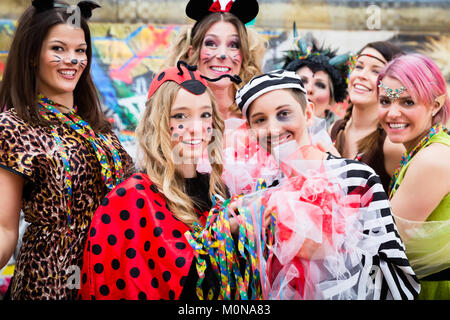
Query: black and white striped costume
x=393 y=274
x=365 y=258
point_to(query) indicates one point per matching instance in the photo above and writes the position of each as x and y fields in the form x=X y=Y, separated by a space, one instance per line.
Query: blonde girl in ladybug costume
x=136 y=247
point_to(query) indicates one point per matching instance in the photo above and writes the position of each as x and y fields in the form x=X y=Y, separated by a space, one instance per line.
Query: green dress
x=428 y=243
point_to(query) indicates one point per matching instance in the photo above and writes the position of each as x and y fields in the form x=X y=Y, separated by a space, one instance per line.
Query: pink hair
x=423 y=80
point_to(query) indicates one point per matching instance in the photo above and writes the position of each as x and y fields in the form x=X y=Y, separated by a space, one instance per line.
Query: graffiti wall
x=126 y=57
x=128 y=52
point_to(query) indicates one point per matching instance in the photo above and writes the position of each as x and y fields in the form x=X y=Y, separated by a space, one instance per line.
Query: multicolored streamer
x=73 y=121
x=229 y=258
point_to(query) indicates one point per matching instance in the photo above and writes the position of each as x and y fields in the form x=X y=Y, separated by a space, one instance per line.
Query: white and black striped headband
x=259 y=85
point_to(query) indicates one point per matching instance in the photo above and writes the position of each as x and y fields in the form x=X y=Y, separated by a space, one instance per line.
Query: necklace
x=83 y=129
x=407 y=156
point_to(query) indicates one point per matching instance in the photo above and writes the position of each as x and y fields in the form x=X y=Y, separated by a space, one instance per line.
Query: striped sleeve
x=391 y=273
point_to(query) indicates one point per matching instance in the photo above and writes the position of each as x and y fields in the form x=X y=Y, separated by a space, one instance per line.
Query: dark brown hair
x=18 y=89
x=368 y=144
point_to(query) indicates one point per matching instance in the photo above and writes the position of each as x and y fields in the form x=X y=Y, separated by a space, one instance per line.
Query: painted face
x=191 y=125
x=62 y=60
x=363 y=79
x=405 y=121
x=277 y=117
x=317 y=87
x=220 y=53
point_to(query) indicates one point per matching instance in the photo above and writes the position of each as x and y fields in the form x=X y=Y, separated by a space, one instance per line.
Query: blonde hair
x=156 y=155
x=251 y=43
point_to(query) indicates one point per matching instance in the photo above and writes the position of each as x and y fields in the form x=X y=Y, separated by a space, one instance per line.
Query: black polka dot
x=147 y=245
x=129 y=234
x=96 y=249
x=180 y=262
x=98 y=268
x=161 y=76
x=121 y=192
x=171 y=295
x=134 y=272
x=180 y=245
x=124 y=215
x=162 y=252
x=104 y=290
x=120 y=284
x=182 y=281
x=151 y=264
x=92 y=232
x=112 y=240
x=140 y=203
x=115 y=264
x=157 y=231
x=158 y=204
x=140 y=187
x=154 y=188
x=176 y=234
x=130 y=253
x=106 y=218
x=155 y=283
x=105 y=202
x=137 y=177
x=143 y=222
x=142 y=296
x=159 y=215
x=166 y=276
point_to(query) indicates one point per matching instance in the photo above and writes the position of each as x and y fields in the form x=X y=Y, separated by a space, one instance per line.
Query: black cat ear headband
x=245 y=10
x=86 y=7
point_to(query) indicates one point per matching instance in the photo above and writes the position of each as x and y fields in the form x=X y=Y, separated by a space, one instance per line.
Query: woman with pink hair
x=413 y=106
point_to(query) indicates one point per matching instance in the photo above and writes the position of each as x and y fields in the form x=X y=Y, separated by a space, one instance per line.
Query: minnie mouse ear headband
x=86 y=7
x=186 y=76
x=259 y=85
x=245 y=10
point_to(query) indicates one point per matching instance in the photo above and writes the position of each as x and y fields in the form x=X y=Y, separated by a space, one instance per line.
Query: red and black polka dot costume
x=136 y=248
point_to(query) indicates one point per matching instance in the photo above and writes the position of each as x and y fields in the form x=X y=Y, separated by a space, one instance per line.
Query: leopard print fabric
x=48 y=259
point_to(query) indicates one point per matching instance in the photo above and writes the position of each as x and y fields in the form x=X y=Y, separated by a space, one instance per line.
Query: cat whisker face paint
x=62 y=60
x=220 y=53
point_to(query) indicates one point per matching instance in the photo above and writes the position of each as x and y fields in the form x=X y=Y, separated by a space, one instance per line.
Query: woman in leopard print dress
x=58 y=155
